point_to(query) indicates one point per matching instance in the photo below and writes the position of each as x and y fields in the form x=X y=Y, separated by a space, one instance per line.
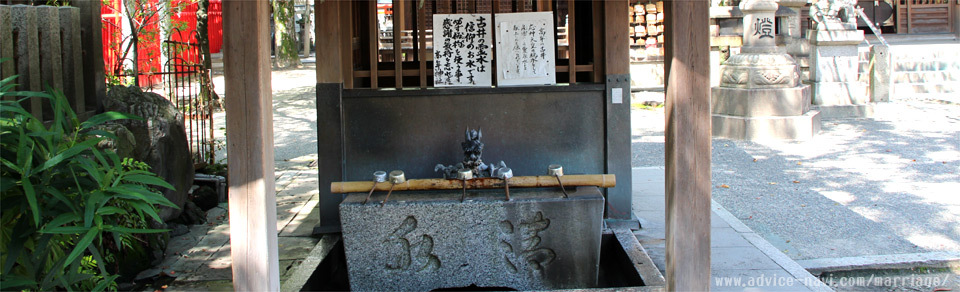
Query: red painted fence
x=148 y=49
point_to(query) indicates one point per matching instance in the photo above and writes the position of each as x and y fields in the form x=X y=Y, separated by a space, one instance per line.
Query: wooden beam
x=495 y=6
x=598 y=48
x=346 y=42
x=374 y=42
x=426 y=184
x=688 y=132
x=405 y=72
x=571 y=41
x=253 y=204
x=328 y=46
x=397 y=47
x=616 y=47
x=422 y=44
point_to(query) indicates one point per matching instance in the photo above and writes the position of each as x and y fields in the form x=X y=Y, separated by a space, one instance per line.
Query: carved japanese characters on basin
x=462 y=231
x=421 y=241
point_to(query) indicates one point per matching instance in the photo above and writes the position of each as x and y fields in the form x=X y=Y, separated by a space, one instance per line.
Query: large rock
x=160 y=140
x=420 y=241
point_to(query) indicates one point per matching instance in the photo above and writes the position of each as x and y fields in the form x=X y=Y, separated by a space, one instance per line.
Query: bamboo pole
x=598 y=180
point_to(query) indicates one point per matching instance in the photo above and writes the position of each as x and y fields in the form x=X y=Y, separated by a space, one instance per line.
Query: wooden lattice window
x=376 y=26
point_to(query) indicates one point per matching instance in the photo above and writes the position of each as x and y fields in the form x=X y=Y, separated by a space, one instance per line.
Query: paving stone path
x=200 y=259
x=887 y=185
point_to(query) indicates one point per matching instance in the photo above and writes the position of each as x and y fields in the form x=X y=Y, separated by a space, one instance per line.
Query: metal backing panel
x=330 y=152
x=618 y=155
x=527 y=128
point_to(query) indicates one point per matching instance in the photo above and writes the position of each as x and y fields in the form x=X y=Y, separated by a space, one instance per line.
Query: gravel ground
x=294 y=114
x=885 y=185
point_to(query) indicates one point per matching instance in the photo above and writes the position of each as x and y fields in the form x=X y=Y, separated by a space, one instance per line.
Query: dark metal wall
x=413 y=130
x=527 y=130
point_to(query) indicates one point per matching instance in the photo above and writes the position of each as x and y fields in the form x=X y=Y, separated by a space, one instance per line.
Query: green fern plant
x=64 y=199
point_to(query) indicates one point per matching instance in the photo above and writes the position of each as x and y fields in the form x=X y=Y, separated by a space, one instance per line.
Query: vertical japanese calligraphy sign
x=462 y=50
x=525 y=49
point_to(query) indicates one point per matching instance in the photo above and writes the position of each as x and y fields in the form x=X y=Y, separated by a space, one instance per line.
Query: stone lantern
x=760 y=96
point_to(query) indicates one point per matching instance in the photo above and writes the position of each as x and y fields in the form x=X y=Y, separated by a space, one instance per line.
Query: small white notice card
x=617 y=95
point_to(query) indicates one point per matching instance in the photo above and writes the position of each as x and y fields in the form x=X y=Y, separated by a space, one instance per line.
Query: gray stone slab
x=727 y=237
x=51 y=66
x=835 y=37
x=767 y=128
x=880 y=72
x=306 y=219
x=786 y=263
x=424 y=241
x=717 y=222
x=299 y=274
x=652 y=218
x=839 y=93
x=740 y=258
x=940 y=259
x=753 y=102
x=296 y=248
x=642 y=263
x=651 y=236
x=218 y=285
x=834 y=63
x=731 y=220
x=649 y=202
x=204 y=273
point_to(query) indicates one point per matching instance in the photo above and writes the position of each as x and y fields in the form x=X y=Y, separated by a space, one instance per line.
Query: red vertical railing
x=149 y=46
x=215 y=25
x=112 y=35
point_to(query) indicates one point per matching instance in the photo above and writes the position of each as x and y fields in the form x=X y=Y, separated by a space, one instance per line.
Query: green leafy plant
x=67 y=205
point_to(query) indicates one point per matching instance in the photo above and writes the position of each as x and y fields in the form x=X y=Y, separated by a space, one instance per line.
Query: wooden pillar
x=334 y=52
x=398 y=23
x=572 y=41
x=328 y=40
x=687 y=68
x=617 y=100
x=253 y=203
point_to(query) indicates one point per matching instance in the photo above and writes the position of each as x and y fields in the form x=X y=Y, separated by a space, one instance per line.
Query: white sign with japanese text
x=525 y=49
x=462 y=54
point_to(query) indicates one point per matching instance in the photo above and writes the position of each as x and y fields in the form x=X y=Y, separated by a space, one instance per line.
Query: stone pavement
x=740 y=258
x=880 y=191
x=200 y=259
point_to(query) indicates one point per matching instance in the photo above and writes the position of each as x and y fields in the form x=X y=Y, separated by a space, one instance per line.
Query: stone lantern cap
x=748 y=6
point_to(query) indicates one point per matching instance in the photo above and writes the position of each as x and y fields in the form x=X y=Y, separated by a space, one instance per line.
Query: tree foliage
x=69 y=207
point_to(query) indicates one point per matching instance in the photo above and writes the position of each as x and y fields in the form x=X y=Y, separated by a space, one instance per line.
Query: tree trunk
x=306 y=29
x=203 y=38
x=287 y=53
x=203 y=35
x=135 y=40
